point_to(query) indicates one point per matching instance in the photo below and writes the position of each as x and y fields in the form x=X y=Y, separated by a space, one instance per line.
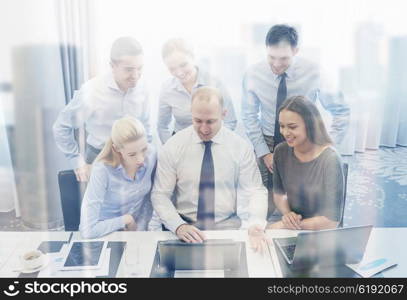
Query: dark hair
x=124 y=46
x=279 y=33
x=314 y=125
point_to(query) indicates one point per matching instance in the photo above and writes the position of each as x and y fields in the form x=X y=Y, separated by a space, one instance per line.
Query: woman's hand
x=276 y=225
x=291 y=220
x=130 y=223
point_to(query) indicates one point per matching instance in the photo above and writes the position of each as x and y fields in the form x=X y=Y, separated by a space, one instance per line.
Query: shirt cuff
x=261 y=150
x=120 y=223
x=77 y=162
x=173 y=226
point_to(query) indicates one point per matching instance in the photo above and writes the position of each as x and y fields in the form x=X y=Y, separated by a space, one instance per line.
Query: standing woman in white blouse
x=175 y=95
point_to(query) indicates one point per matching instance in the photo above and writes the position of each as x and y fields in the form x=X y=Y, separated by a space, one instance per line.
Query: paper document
x=372 y=267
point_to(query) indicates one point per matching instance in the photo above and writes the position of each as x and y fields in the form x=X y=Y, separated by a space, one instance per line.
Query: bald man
x=212 y=172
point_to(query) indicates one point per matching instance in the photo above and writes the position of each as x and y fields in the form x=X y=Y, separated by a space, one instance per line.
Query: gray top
x=313 y=188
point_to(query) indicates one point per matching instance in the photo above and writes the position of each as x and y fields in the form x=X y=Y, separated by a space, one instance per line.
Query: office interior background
x=50 y=47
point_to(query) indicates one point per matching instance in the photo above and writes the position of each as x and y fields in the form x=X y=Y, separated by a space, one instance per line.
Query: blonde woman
x=118 y=194
x=175 y=95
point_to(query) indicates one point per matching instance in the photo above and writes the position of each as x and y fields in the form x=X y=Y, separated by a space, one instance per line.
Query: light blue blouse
x=111 y=193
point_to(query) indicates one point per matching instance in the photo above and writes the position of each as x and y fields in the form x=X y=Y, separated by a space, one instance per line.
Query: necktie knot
x=207 y=144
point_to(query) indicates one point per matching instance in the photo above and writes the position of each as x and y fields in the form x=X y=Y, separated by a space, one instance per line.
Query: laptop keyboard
x=289 y=251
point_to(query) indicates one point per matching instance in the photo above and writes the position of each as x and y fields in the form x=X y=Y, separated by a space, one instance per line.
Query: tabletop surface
x=140 y=249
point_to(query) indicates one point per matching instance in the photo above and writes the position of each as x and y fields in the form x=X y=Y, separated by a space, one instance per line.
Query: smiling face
x=207 y=117
x=133 y=153
x=280 y=57
x=127 y=71
x=181 y=65
x=292 y=127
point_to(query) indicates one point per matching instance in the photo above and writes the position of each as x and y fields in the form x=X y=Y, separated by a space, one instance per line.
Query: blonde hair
x=176 y=44
x=206 y=93
x=124 y=130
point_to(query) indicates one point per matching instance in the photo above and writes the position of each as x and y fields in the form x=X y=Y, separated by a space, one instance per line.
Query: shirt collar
x=289 y=72
x=290 y=69
x=111 y=83
x=218 y=138
x=139 y=174
x=201 y=79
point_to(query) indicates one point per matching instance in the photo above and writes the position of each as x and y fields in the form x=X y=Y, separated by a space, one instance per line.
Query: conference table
x=136 y=252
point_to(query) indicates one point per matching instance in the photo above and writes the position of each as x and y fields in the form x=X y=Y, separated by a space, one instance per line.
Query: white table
x=386 y=242
x=13 y=244
x=258 y=265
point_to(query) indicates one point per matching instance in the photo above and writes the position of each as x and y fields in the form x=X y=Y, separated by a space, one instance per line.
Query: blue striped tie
x=206 y=201
x=281 y=96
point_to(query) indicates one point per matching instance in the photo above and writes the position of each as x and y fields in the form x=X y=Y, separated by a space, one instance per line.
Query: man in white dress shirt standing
x=100 y=102
x=212 y=172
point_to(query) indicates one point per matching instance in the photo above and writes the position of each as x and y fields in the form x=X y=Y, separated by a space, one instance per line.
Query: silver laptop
x=325 y=247
x=212 y=254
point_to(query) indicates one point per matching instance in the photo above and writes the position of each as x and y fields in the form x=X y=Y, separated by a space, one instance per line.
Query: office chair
x=345 y=175
x=71 y=199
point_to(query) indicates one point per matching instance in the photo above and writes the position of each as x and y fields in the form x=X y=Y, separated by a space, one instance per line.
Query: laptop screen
x=210 y=255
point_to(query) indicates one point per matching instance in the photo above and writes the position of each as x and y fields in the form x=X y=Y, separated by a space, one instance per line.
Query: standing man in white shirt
x=212 y=171
x=100 y=102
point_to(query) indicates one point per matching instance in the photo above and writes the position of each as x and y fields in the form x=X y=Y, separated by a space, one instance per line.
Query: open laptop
x=325 y=247
x=213 y=254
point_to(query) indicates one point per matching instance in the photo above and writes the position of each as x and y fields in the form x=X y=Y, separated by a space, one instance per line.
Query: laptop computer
x=213 y=254
x=324 y=247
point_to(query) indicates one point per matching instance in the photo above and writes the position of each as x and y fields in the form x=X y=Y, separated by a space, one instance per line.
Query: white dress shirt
x=97 y=105
x=238 y=186
x=175 y=101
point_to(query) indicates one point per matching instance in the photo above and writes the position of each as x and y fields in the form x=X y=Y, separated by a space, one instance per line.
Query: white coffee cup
x=32 y=260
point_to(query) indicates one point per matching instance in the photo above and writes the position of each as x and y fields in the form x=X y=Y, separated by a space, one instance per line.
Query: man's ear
x=295 y=50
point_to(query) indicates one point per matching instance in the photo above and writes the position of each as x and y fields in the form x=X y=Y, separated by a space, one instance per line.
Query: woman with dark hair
x=308 y=180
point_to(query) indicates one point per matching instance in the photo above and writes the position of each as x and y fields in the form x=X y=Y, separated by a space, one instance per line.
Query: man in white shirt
x=100 y=102
x=212 y=172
